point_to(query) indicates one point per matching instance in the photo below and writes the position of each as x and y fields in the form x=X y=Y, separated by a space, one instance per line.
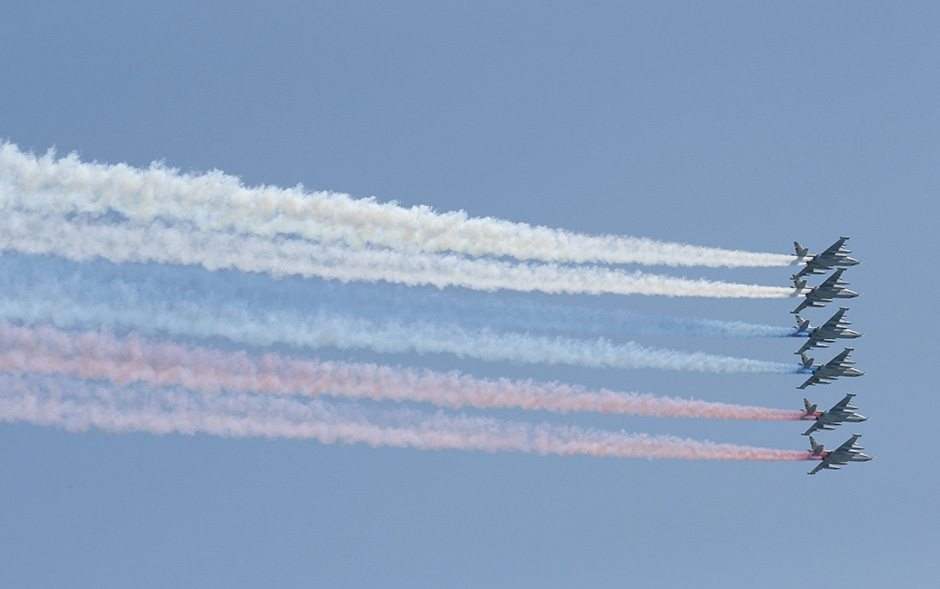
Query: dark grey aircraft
x=834 y=256
x=841 y=412
x=820 y=337
x=817 y=296
x=831 y=370
x=848 y=452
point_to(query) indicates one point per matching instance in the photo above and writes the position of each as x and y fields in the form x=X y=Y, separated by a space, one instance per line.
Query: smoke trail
x=79 y=406
x=215 y=201
x=130 y=360
x=26 y=275
x=324 y=330
x=81 y=240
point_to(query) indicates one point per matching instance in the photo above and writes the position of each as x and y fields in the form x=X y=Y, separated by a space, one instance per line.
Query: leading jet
x=820 y=337
x=848 y=452
x=831 y=288
x=831 y=370
x=840 y=413
x=834 y=256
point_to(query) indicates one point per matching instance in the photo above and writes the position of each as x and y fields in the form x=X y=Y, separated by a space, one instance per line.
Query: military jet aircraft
x=831 y=288
x=831 y=370
x=834 y=256
x=825 y=334
x=840 y=413
x=848 y=452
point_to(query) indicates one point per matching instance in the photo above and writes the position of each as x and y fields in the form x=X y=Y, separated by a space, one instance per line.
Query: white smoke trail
x=79 y=406
x=325 y=330
x=127 y=360
x=81 y=240
x=26 y=275
x=215 y=201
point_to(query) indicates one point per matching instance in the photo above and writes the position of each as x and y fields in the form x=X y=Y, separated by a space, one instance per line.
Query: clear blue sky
x=728 y=124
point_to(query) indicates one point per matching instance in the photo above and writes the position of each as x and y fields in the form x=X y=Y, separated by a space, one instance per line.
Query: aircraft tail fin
x=815 y=447
x=800 y=250
x=805 y=360
x=810 y=407
x=801 y=324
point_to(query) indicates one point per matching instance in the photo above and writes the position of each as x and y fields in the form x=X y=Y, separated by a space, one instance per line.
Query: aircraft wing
x=822 y=464
x=809 y=381
x=834 y=248
x=838 y=360
x=803 y=304
x=833 y=322
x=840 y=407
x=812 y=428
x=810 y=343
x=846 y=446
x=831 y=282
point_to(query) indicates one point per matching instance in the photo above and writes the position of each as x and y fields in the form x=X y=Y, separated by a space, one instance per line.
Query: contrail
x=82 y=240
x=100 y=280
x=219 y=202
x=130 y=360
x=324 y=330
x=79 y=406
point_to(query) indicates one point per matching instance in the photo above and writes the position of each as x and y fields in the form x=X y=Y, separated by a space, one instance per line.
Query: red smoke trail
x=124 y=360
x=78 y=406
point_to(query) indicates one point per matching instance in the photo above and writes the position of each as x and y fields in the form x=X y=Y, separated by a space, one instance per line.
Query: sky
x=739 y=125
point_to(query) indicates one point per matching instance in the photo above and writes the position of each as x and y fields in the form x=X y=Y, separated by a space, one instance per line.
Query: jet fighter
x=849 y=451
x=831 y=288
x=840 y=413
x=834 y=256
x=831 y=370
x=827 y=333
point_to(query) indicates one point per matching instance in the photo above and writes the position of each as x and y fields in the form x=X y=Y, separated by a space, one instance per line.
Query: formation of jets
x=835 y=257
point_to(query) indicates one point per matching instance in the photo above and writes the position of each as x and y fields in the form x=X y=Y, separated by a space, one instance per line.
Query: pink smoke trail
x=125 y=360
x=79 y=406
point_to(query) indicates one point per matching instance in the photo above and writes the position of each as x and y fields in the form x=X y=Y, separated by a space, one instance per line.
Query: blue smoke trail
x=76 y=300
x=505 y=311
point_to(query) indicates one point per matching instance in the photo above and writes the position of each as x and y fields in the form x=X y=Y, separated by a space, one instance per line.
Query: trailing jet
x=834 y=256
x=827 y=333
x=831 y=370
x=840 y=413
x=848 y=452
x=831 y=288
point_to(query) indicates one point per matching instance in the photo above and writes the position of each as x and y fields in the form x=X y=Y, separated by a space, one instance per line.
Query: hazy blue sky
x=737 y=124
